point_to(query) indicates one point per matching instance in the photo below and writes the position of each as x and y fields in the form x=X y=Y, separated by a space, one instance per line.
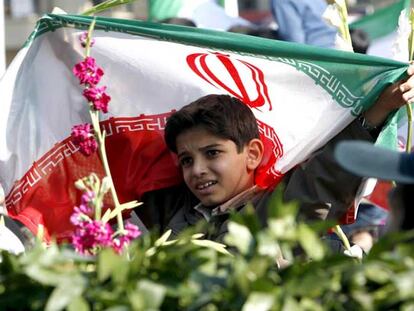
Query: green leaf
x=378 y=273
x=163 y=238
x=240 y=237
x=363 y=298
x=120 y=209
x=268 y=246
x=197 y=236
x=78 y=304
x=152 y=292
x=310 y=242
x=409 y=306
x=404 y=282
x=258 y=302
x=221 y=248
x=310 y=305
x=290 y=304
x=63 y=295
x=108 y=264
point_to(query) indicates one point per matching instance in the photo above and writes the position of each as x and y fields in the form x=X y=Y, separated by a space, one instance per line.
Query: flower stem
x=408 y=106
x=343 y=238
x=344 y=18
x=411 y=36
x=89 y=37
x=409 y=128
x=101 y=138
x=102 y=152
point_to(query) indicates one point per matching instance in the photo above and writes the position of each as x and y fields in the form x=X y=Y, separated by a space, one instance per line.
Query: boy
x=217 y=143
x=216 y=139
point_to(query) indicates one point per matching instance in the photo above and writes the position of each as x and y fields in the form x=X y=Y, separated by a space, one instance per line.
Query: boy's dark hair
x=221 y=115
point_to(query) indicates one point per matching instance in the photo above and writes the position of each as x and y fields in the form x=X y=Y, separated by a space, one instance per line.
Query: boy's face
x=212 y=168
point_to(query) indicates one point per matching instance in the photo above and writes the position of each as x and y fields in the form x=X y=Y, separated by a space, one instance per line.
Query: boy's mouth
x=205 y=185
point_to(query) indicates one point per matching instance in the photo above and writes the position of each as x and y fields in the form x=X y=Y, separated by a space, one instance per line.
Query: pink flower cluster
x=82 y=136
x=89 y=74
x=84 y=37
x=91 y=235
x=123 y=240
x=98 y=98
x=83 y=213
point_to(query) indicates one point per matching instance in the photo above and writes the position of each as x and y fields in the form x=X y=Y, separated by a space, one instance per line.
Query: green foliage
x=195 y=274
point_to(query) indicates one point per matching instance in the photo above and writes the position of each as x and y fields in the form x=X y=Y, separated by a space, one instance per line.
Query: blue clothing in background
x=301 y=21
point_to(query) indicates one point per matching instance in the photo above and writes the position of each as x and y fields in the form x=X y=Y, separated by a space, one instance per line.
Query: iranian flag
x=301 y=96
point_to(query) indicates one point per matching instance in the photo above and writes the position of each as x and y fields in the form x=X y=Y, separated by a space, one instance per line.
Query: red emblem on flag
x=203 y=64
x=246 y=82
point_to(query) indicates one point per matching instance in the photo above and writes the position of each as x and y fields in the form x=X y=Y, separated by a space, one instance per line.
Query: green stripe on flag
x=381 y=22
x=357 y=72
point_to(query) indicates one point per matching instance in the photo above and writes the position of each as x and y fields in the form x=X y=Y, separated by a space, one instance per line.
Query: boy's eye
x=186 y=161
x=212 y=153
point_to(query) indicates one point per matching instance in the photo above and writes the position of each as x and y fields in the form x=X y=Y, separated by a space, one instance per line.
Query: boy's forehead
x=198 y=137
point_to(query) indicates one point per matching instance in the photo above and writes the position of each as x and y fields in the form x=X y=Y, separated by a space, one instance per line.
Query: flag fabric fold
x=301 y=96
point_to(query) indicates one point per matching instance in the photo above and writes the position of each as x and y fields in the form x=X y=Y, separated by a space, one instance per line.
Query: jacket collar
x=234 y=203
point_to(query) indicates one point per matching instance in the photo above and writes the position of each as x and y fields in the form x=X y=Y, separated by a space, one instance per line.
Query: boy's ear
x=254 y=150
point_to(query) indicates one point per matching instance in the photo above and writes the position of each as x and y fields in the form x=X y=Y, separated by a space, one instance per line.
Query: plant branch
x=106 y=5
x=409 y=128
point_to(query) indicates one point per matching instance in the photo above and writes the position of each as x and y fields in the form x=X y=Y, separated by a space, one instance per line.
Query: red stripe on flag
x=139 y=161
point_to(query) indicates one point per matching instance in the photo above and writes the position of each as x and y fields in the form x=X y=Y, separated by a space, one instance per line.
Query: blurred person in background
x=360 y=40
x=263 y=32
x=367 y=160
x=301 y=21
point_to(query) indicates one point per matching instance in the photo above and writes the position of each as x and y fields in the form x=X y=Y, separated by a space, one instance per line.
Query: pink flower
x=81 y=132
x=98 y=97
x=84 y=37
x=80 y=215
x=132 y=231
x=82 y=137
x=123 y=240
x=88 y=147
x=83 y=212
x=87 y=197
x=88 y=72
x=90 y=236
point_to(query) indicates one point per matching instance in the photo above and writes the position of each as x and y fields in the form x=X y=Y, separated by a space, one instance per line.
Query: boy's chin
x=211 y=202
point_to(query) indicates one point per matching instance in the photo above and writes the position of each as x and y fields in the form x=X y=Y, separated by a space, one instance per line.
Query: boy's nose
x=199 y=168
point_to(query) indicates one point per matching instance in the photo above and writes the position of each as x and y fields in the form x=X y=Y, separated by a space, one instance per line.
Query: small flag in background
x=381 y=27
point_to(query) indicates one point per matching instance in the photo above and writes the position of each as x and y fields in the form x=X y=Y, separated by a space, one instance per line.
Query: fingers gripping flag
x=301 y=96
